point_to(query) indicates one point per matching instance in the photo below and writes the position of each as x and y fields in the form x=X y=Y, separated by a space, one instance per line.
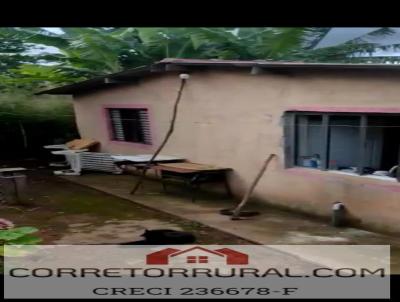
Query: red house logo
x=197 y=254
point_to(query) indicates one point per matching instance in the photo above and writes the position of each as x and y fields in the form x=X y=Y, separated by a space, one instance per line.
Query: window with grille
x=197 y=259
x=360 y=143
x=130 y=125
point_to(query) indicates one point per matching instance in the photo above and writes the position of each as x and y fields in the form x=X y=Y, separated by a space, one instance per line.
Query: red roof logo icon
x=164 y=256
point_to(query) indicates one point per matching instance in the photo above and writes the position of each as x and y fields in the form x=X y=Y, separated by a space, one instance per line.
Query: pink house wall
x=233 y=119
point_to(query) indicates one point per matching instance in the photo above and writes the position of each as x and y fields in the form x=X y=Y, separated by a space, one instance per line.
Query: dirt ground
x=66 y=213
x=96 y=208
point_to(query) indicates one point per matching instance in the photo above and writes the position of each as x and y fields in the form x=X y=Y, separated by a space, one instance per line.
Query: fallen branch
x=236 y=211
x=183 y=77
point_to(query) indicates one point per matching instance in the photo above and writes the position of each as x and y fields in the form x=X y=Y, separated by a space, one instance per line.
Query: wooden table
x=140 y=161
x=193 y=174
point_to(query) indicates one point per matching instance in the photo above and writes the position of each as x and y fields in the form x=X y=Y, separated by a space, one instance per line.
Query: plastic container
x=338 y=214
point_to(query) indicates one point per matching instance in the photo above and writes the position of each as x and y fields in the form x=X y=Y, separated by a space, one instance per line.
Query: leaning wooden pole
x=236 y=211
x=184 y=78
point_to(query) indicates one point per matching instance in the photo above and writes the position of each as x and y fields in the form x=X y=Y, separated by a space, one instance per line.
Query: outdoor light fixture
x=184 y=76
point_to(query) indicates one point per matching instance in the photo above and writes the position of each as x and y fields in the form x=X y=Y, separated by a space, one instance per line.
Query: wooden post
x=246 y=197
x=167 y=136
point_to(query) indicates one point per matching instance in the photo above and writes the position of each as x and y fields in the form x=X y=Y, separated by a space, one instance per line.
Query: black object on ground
x=163 y=237
x=229 y=212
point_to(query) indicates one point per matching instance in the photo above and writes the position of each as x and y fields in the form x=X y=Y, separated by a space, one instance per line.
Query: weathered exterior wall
x=233 y=119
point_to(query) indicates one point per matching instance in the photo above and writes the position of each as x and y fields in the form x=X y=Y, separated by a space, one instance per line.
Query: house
x=197 y=255
x=335 y=127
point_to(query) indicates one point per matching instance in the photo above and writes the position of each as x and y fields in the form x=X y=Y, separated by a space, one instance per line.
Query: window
x=196 y=259
x=349 y=142
x=130 y=125
x=309 y=128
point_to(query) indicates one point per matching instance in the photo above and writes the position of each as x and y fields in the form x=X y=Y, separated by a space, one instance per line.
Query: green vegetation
x=17 y=236
x=27 y=123
x=27 y=65
x=87 y=52
x=10 y=235
x=20 y=235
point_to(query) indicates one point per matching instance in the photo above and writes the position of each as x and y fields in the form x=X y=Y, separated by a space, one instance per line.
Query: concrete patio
x=272 y=226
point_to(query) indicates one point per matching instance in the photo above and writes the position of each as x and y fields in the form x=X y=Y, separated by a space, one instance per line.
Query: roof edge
x=172 y=64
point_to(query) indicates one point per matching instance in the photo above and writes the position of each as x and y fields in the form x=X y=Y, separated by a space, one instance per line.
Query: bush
x=28 y=123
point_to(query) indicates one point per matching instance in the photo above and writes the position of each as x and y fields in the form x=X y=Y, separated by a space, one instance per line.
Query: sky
x=338 y=35
x=55 y=30
x=44 y=48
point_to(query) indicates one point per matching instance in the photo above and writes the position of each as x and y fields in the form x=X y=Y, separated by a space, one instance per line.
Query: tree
x=11 y=49
x=88 y=52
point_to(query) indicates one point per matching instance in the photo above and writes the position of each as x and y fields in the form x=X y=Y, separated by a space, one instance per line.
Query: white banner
x=193 y=271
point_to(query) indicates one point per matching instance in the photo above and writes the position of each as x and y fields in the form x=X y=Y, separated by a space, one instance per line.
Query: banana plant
x=87 y=52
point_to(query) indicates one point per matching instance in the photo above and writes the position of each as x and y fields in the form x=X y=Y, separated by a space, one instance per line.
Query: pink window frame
x=128 y=106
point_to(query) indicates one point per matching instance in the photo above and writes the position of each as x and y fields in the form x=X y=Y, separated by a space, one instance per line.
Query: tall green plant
x=88 y=52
